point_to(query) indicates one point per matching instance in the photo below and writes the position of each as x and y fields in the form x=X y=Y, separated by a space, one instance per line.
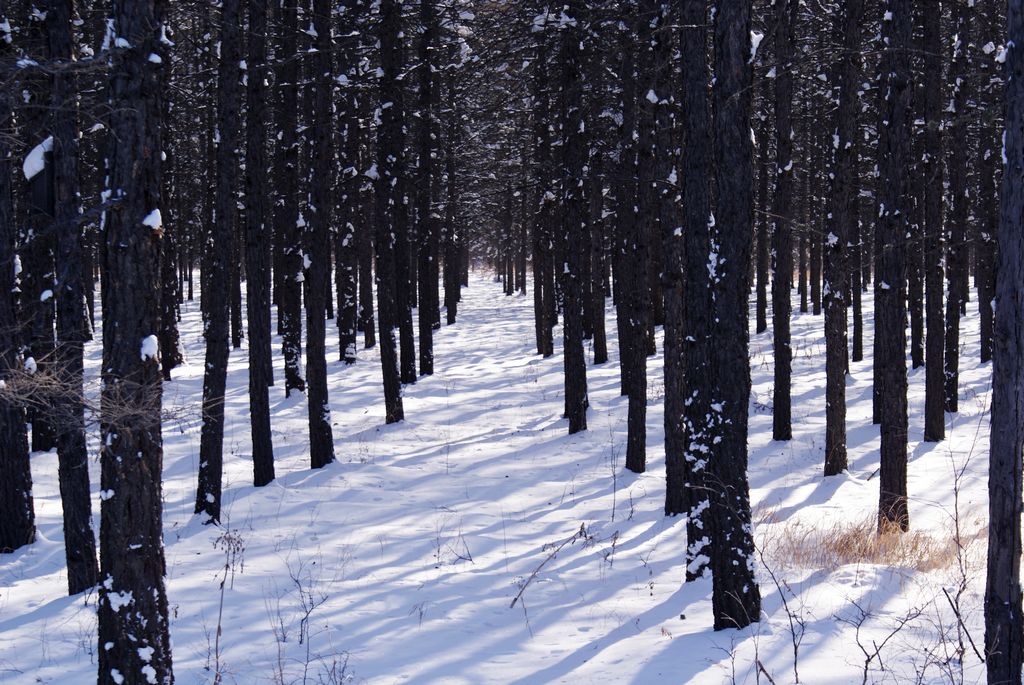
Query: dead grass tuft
x=828 y=546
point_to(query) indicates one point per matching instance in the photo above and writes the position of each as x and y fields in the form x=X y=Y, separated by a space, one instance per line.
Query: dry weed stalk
x=828 y=546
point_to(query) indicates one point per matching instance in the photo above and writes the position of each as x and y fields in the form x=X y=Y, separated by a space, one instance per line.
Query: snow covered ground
x=399 y=563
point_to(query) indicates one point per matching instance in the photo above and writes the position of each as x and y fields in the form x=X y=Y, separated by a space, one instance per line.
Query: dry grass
x=828 y=546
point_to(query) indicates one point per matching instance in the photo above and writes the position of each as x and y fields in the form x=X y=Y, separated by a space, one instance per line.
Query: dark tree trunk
x=429 y=228
x=932 y=170
x=687 y=464
x=390 y=142
x=35 y=219
x=72 y=324
x=670 y=241
x=1004 y=620
x=404 y=283
x=891 y=231
x=574 y=154
x=17 y=514
x=321 y=441
x=736 y=599
x=170 y=339
x=543 y=287
x=856 y=284
x=286 y=211
x=783 y=209
x=815 y=249
x=597 y=228
x=216 y=268
x=843 y=213
x=235 y=272
x=801 y=253
x=957 y=256
x=631 y=271
x=763 y=225
x=346 y=251
x=364 y=245
x=261 y=374
x=452 y=252
x=132 y=600
x=988 y=178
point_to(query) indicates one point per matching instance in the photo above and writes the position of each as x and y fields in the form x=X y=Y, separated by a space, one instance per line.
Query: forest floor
x=400 y=562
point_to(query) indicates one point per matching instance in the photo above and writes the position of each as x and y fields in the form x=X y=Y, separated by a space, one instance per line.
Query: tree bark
x=1004 y=619
x=736 y=598
x=390 y=141
x=783 y=209
x=688 y=464
x=843 y=213
x=261 y=374
x=72 y=325
x=17 y=513
x=321 y=440
x=132 y=599
x=573 y=151
x=891 y=231
x=932 y=169
x=286 y=211
x=216 y=268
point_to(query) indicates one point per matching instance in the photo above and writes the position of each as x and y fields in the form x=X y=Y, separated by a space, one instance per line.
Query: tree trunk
x=72 y=325
x=346 y=251
x=957 y=259
x=736 y=599
x=783 y=210
x=1004 y=620
x=632 y=247
x=843 y=213
x=932 y=170
x=428 y=221
x=321 y=441
x=286 y=211
x=17 y=514
x=132 y=600
x=390 y=141
x=261 y=374
x=988 y=176
x=891 y=230
x=574 y=155
x=687 y=464
x=216 y=268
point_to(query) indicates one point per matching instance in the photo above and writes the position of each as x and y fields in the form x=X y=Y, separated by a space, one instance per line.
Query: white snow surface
x=416 y=541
